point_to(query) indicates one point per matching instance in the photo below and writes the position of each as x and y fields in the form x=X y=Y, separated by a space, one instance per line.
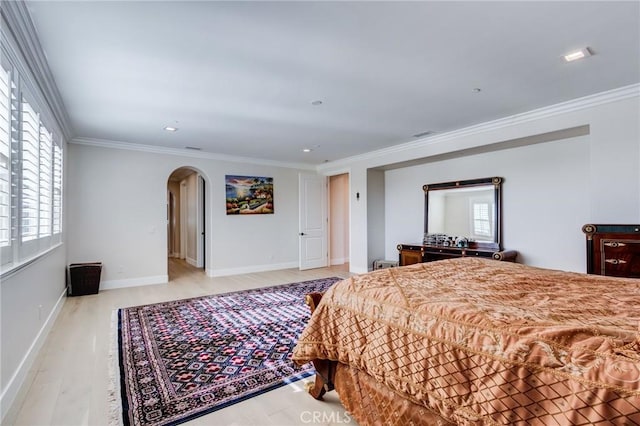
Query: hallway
x=180 y=270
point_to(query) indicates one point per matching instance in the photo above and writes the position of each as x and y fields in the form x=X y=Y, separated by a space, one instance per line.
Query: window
x=56 y=201
x=30 y=167
x=481 y=220
x=45 y=188
x=5 y=158
x=31 y=170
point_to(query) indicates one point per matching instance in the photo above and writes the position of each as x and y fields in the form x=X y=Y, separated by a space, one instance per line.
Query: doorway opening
x=186 y=219
x=339 y=219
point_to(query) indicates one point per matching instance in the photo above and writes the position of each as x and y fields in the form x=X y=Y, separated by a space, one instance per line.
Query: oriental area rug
x=182 y=359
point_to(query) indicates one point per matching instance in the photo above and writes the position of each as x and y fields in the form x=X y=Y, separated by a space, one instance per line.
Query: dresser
x=613 y=250
x=415 y=253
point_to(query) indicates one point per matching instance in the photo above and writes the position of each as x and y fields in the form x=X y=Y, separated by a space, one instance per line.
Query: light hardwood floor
x=69 y=382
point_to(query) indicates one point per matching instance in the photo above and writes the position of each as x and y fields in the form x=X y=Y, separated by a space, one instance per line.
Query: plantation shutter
x=46 y=140
x=57 y=190
x=30 y=177
x=481 y=222
x=5 y=158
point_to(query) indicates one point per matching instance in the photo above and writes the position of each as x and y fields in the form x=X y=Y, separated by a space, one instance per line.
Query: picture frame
x=249 y=195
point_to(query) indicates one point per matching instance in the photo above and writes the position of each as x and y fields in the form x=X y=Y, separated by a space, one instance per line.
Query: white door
x=200 y=222
x=313 y=221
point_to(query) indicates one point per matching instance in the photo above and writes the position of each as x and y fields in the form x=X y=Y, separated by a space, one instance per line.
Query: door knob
x=302 y=233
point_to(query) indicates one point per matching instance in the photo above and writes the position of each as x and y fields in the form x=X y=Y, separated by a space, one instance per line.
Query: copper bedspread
x=484 y=342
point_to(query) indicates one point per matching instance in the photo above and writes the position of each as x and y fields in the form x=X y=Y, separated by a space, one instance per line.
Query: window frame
x=48 y=181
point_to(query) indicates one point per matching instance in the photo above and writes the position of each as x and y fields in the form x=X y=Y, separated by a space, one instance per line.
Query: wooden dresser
x=613 y=250
x=416 y=253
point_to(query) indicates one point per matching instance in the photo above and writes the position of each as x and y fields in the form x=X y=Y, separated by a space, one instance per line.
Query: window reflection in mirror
x=463 y=212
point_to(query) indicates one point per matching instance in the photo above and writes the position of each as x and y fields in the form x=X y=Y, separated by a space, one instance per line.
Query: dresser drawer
x=613 y=250
x=620 y=258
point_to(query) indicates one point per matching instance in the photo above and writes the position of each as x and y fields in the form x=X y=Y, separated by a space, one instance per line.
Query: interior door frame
x=329 y=210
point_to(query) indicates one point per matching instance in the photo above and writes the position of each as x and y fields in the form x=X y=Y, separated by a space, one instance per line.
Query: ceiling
x=239 y=78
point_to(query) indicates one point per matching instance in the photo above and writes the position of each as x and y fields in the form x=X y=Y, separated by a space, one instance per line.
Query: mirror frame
x=496 y=244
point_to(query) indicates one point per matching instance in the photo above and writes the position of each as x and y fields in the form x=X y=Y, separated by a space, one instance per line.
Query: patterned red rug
x=182 y=359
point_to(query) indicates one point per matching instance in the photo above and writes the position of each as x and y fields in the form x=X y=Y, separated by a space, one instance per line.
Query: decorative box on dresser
x=613 y=250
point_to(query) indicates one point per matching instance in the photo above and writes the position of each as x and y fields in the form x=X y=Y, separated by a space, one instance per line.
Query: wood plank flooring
x=69 y=382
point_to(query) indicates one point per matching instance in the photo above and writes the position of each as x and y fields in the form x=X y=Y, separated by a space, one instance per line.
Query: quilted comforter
x=479 y=341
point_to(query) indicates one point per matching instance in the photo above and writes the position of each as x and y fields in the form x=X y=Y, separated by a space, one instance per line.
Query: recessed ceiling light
x=477 y=89
x=578 y=54
x=170 y=129
x=307 y=150
x=316 y=103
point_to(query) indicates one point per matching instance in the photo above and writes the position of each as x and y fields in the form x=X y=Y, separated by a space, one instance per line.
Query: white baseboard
x=191 y=262
x=133 y=282
x=16 y=382
x=250 y=269
x=355 y=270
x=339 y=261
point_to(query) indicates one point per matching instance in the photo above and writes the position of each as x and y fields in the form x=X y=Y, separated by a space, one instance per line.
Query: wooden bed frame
x=325 y=369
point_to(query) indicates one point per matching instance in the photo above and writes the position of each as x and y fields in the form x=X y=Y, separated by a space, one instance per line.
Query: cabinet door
x=409 y=257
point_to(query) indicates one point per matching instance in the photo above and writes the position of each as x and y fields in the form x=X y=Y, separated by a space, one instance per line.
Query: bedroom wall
x=117 y=208
x=545 y=199
x=376 y=190
x=29 y=304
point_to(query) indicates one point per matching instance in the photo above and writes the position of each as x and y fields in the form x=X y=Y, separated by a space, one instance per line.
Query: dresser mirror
x=464 y=213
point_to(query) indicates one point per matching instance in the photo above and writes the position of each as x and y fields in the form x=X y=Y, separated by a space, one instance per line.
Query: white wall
x=545 y=200
x=30 y=301
x=375 y=216
x=117 y=205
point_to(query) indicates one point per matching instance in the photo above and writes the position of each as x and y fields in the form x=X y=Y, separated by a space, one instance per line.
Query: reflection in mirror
x=464 y=212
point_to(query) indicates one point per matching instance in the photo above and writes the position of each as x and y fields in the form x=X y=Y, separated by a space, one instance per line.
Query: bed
x=472 y=341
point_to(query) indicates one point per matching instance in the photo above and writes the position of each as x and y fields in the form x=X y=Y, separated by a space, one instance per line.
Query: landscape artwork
x=249 y=194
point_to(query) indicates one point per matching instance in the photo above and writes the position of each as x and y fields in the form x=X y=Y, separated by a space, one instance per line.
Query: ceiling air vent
x=419 y=135
x=194 y=148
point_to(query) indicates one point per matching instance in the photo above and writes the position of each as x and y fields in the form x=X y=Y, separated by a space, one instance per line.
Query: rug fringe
x=115 y=402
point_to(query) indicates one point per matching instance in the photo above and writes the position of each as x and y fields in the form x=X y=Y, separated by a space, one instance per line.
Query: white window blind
x=29 y=205
x=45 y=189
x=5 y=158
x=481 y=222
x=57 y=190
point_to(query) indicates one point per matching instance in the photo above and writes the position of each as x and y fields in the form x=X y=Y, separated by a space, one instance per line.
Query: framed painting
x=249 y=194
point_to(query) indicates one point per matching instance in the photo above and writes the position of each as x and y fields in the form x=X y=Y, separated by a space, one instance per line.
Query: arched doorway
x=186 y=224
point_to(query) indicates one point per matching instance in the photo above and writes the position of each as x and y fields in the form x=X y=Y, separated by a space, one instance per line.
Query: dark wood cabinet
x=416 y=253
x=613 y=250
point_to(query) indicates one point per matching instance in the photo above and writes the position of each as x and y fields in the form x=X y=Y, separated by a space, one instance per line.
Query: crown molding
x=573 y=105
x=19 y=24
x=103 y=143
